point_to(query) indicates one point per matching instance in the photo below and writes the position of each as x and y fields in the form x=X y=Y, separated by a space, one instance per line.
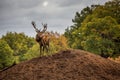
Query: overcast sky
x=16 y=15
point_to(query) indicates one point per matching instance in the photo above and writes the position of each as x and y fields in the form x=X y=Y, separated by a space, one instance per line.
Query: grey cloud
x=19 y=3
x=16 y=15
x=68 y=3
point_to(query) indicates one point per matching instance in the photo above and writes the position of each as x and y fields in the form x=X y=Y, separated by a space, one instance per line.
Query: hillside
x=65 y=65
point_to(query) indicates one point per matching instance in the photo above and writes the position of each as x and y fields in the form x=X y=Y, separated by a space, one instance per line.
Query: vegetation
x=96 y=29
x=6 y=55
x=17 y=47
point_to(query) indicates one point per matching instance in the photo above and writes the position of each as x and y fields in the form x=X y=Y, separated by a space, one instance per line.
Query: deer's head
x=40 y=33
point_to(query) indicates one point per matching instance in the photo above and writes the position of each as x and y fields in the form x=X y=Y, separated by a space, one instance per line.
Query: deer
x=42 y=37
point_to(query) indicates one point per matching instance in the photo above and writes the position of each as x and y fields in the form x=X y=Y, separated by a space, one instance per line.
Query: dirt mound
x=65 y=65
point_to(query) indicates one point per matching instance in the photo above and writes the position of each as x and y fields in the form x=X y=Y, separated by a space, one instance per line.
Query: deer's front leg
x=40 y=50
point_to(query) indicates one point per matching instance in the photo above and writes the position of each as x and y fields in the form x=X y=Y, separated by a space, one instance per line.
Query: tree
x=98 y=35
x=6 y=55
x=72 y=33
x=97 y=30
x=19 y=42
x=114 y=9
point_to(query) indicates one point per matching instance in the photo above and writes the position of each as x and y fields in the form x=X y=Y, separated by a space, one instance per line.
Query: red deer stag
x=42 y=38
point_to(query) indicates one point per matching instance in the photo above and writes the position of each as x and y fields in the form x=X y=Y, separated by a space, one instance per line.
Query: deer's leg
x=47 y=48
x=43 y=50
x=43 y=47
x=40 y=50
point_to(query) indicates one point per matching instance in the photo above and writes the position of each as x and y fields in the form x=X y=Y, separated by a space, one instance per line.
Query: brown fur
x=42 y=38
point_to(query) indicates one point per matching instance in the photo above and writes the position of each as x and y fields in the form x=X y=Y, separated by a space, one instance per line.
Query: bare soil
x=65 y=65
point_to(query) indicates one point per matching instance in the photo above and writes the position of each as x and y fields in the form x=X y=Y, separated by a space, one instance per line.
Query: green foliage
x=96 y=29
x=6 y=55
x=71 y=33
x=31 y=53
x=19 y=42
x=17 y=47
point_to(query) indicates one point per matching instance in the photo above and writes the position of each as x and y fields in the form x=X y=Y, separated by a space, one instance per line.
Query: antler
x=34 y=25
x=44 y=27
